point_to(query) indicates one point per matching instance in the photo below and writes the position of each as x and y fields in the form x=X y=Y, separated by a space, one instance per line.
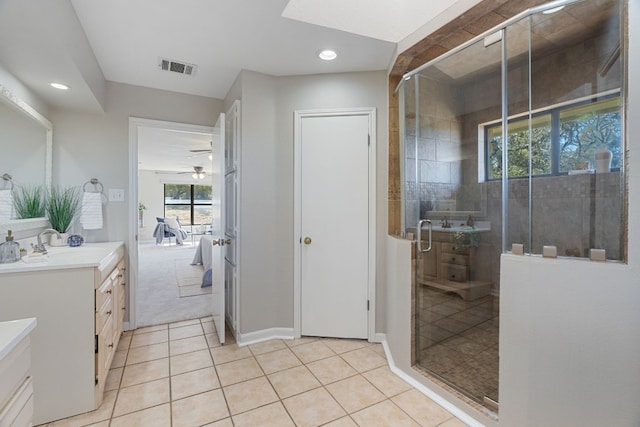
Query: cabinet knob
x=109 y=291
x=110 y=345
x=109 y=313
x=120 y=275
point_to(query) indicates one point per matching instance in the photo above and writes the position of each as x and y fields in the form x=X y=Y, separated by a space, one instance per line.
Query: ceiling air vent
x=177 y=66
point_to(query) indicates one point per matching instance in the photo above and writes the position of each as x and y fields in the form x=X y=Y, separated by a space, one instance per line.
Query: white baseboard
x=463 y=416
x=379 y=338
x=265 y=335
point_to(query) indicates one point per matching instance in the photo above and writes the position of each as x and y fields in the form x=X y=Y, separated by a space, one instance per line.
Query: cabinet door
x=428 y=267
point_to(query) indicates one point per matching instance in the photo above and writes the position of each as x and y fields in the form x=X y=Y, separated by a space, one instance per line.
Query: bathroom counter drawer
x=455 y=249
x=455 y=273
x=18 y=412
x=454 y=258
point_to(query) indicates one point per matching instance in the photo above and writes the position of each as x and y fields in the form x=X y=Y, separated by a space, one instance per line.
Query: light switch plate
x=116 y=195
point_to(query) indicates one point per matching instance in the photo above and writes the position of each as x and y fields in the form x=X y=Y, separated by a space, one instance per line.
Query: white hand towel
x=6 y=205
x=91 y=212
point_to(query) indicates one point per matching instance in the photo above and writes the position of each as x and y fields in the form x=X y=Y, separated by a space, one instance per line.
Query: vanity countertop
x=64 y=257
x=12 y=332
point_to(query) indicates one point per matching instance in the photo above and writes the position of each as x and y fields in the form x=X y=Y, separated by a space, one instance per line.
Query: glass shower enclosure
x=515 y=137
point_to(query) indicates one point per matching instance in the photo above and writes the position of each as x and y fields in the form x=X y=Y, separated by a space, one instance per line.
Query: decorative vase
x=54 y=240
x=603 y=160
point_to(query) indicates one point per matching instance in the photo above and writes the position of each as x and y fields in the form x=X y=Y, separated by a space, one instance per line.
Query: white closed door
x=334 y=224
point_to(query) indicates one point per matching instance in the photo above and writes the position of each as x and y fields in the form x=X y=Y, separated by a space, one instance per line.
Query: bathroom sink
x=479 y=227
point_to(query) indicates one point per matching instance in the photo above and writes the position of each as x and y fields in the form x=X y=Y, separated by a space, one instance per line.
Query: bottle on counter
x=9 y=250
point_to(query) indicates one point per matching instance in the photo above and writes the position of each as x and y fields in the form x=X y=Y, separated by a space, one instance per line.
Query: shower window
x=561 y=138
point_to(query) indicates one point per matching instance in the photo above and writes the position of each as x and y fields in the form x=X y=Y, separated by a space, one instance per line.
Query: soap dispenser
x=9 y=250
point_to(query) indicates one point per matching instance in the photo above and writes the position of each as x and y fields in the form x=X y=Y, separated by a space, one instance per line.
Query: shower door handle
x=420 y=224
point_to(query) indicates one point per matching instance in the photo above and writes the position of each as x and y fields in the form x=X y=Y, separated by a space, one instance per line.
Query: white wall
x=88 y=145
x=150 y=194
x=268 y=105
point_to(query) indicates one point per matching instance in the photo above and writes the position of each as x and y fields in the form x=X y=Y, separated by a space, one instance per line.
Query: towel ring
x=94 y=182
x=8 y=179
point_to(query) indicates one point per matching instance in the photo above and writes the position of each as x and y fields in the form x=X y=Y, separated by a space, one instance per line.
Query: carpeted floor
x=189 y=278
x=159 y=300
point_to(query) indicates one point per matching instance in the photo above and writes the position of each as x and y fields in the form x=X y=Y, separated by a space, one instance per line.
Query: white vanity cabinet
x=78 y=300
x=16 y=383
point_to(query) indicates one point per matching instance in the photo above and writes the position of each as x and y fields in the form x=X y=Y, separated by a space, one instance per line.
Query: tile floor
x=458 y=341
x=178 y=375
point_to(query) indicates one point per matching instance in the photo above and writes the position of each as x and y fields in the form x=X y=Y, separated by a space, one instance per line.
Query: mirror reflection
x=25 y=157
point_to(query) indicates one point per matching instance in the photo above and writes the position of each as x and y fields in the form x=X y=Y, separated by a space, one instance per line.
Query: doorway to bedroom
x=174 y=164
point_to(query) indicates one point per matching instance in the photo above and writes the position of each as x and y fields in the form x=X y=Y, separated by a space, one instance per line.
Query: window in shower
x=563 y=139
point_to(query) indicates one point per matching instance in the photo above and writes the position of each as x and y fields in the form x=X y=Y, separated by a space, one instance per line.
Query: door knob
x=307 y=240
x=221 y=242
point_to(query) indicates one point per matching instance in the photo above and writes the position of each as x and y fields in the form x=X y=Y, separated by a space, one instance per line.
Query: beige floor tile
x=278 y=360
x=312 y=351
x=184 y=323
x=344 y=345
x=238 y=371
x=222 y=423
x=229 y=353
x=158 y=416
x=342 y=422
x=383 y=414
x=185 y=332
x=125 y=341
x=190 y=361
x=147 y=353
x=273 y=415
x=299 y=341
x=313 y=408
x=386 y=381
x=212 y=340
x=113 y=379
x=379 y=349
x=208 y=327
x=187 y=345
x=145 y=372
x=142 y=396
x=119 y=358
x=101 y=414
x=293 y=381
x=148 y=329
x=331 y=369
x=249 y=395
x=200 y=409
x=100 y=424
x=206 y=319
x=364 y=359
x=267 y=346
x=193 y=382
x=422 y=409
x=149 y=338
x=355 y=393
x=453 y=422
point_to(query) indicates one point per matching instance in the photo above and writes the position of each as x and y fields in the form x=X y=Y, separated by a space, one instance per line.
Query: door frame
x=136 y=123
x=300 y=115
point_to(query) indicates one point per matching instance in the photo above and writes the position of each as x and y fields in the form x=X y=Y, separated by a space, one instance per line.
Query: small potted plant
x=62 y=206
x=29 y=202
x=141 y=209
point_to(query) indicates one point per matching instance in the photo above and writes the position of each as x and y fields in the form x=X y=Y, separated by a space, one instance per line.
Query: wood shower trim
x=480 y=18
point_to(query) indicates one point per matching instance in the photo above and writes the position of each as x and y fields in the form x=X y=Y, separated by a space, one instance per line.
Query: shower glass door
x=456 y=331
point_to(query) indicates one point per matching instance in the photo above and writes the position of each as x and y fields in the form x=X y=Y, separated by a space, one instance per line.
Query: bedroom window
x=190 y=203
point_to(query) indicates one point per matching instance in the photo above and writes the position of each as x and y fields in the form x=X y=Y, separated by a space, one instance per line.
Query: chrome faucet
x=445 y=222
x=39 y=247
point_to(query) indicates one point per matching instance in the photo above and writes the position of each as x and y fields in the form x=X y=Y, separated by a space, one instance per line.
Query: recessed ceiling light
x=327 y=55
x=554 y=10
x=60 y=86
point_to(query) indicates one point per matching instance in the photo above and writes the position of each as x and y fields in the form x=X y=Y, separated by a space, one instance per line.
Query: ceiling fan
x=198 y=172
x=199 y=152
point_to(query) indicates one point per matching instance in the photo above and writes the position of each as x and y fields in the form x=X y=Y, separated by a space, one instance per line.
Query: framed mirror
x=26 y=138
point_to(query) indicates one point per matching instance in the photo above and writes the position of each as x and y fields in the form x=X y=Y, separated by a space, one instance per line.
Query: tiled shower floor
x=178 y=375
x=458 y=341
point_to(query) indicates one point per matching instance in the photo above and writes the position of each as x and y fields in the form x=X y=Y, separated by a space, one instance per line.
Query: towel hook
x=8 y=179
x=95 y=183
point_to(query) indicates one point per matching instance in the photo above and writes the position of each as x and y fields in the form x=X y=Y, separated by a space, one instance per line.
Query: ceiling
x=84 y=43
